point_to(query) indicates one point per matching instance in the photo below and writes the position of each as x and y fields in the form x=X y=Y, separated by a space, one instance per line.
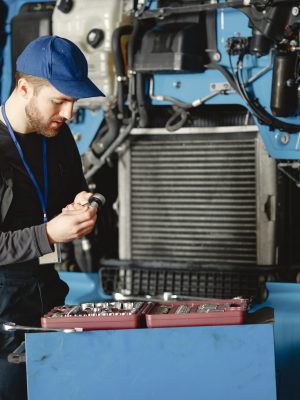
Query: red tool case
x=93 y=316
x=196 y=313
x=129 y=315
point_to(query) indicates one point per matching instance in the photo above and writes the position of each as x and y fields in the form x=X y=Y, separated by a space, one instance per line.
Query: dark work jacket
x=23 y=240
x=6 y=188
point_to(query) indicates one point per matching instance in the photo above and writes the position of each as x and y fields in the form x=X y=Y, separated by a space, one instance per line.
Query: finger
x=72 y=207
x=89 y=212
x=78 y=206
x=77 y=221
x=82 y=197
x=84 y=228
x=82 y=213
x=68 y=208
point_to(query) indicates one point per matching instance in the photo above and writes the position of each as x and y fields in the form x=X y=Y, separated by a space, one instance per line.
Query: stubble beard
x=35 y=120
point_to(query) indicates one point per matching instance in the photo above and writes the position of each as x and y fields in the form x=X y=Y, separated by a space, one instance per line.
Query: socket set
x=93 y=316
x=197 y=313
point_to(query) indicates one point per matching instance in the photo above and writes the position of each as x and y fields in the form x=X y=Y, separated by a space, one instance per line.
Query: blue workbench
x=209 y=363
x=284 y=298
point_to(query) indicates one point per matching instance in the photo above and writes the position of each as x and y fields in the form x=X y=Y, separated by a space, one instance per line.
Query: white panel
x=84 y=16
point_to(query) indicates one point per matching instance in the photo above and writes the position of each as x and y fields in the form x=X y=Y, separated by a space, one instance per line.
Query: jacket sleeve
x=23 y=244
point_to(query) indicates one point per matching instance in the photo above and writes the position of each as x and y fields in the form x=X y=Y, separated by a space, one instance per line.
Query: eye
x=57 y=102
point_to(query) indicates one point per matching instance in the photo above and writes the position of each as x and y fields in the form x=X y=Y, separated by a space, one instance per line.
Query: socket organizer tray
x=197 y=313
x=94 y=316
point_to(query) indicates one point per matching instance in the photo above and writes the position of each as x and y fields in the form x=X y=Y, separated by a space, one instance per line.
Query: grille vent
x=193 y=198
x=140 y=278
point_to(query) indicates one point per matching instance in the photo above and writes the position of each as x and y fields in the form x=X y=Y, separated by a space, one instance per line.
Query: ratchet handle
x=12 y=327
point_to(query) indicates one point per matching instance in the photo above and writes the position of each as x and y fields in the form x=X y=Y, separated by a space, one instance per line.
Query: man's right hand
x=71 y=224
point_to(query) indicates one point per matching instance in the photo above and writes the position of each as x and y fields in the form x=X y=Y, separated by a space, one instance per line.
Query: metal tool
x=97 y=200
x=18 y=355
x=113 y=307
x=164 y=309
x=12 y=327
x=183 y=309
x=166 y=296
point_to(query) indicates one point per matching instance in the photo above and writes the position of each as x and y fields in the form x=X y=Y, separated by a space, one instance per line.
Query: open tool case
x=93 y=316
x=130 y=314
x=196 y=313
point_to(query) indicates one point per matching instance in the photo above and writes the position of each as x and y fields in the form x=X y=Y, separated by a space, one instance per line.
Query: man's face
x=47 y=110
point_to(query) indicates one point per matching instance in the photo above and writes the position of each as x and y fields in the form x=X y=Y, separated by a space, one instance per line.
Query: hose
x=119 y=63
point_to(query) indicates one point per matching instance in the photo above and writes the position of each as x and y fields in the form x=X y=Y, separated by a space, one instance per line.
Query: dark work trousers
x=26 y=293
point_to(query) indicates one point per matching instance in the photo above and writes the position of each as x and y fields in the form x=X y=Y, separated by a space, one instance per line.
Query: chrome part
x=12 y=327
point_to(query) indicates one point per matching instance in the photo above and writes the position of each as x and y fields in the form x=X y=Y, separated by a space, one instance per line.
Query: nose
x=66 y=110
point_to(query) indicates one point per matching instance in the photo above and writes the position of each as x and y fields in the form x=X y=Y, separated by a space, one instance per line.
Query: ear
x=24 y=88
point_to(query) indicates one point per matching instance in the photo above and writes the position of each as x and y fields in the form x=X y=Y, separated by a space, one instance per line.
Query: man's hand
x=81 y=199
x=71 y=224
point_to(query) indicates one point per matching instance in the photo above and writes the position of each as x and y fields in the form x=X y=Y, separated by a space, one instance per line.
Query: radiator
x=200 y=195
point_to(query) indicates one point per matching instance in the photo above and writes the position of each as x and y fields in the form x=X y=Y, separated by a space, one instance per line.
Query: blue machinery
x=187 y=56
x=238 y=49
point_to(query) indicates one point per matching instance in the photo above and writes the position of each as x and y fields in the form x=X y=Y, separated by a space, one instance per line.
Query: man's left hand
x=81 y=199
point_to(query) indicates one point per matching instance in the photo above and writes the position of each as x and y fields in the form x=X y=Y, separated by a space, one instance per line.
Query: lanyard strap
x=42 y=197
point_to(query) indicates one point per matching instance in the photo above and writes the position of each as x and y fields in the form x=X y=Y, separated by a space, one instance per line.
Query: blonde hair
x=35 y=81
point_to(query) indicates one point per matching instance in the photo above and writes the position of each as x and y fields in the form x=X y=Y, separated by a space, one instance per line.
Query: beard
x=37 y=123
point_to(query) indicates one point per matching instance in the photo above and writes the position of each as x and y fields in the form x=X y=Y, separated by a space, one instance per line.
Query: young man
x=42 y=189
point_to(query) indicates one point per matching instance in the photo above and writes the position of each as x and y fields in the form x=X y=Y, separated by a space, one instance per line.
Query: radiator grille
x=192 y=198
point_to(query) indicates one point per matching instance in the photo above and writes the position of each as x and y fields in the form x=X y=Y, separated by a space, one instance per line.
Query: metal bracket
x=18 y=356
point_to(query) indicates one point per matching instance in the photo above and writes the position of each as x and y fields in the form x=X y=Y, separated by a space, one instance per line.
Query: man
x=43 y=194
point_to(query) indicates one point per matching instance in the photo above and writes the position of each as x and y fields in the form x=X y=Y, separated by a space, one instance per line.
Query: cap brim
x=77 y=89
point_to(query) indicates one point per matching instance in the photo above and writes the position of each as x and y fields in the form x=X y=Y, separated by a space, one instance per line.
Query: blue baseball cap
x=62 y=63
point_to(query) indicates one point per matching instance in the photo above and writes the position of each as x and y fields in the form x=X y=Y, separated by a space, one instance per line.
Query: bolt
x=290 y=83
x=177 y=84
x=77 y=137
x=285 y=138
x=216 y=56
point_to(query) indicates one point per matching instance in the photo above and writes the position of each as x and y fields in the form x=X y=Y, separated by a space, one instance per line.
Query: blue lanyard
x=42 y=197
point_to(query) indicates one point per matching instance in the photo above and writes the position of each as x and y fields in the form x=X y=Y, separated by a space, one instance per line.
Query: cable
x=267 y=118
x=164 y=12
x=113 y=146
x=262 y=115
x=180 y=115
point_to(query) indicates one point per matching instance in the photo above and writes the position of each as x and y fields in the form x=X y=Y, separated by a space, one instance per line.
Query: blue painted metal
x=85 y=130
x=13 y=7
x=232 y=362
x=285 y=299
x=190 y=87
x=84 y=287
x=230 y=22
